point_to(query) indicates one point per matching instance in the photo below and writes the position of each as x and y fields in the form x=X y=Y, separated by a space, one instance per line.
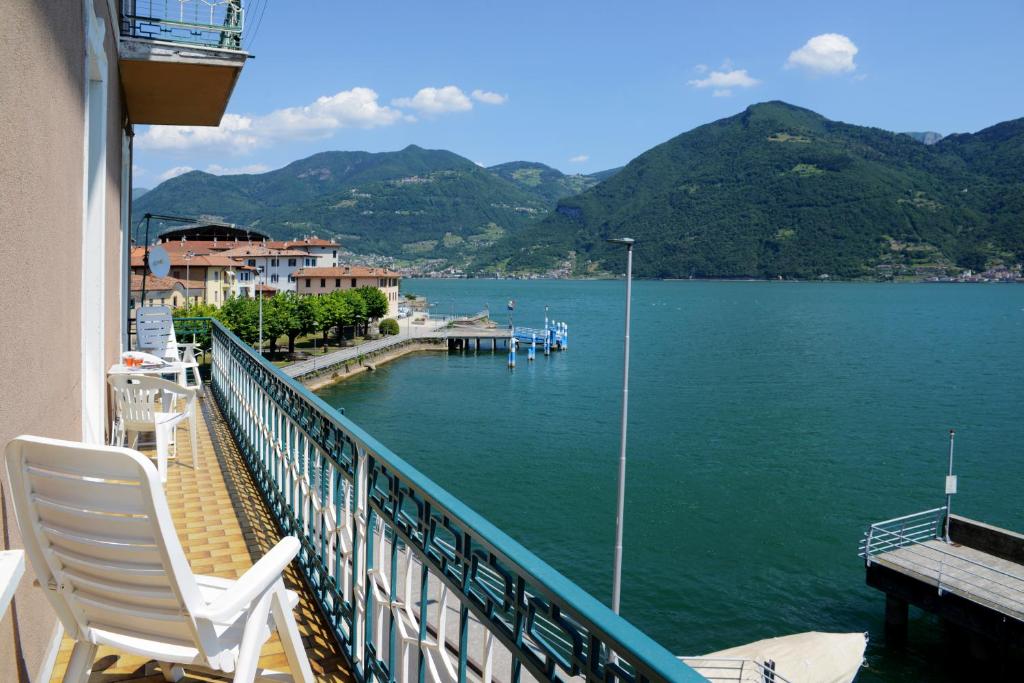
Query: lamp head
x=628 y=241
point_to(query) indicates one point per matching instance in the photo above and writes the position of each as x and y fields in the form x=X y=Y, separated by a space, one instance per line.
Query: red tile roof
x=346 y=271
x=260 y=251
x=166 y=284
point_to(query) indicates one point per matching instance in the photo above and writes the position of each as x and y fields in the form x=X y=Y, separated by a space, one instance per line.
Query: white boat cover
x=801 y=658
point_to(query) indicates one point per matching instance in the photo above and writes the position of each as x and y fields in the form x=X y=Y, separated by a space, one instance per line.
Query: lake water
x=769 y=424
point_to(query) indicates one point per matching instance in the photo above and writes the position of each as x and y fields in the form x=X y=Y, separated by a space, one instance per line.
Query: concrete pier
x=975 y=581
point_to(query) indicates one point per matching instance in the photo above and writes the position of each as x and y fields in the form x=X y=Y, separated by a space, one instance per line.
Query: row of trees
x=288 y=315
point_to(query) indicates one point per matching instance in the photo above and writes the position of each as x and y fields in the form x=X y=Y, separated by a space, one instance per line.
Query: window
x=273 y=278
x=323 y=282
x=292 y=262
x=216 y=276
x=176 y=273
x=273 y=262
x=337 y=282
x=353 y=282
x=291 y=278
x=252 y=262
x=309 y=262
x=334 y=254
x=307 y=282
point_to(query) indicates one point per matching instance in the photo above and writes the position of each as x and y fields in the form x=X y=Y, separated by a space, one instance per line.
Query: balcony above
x=180 y=59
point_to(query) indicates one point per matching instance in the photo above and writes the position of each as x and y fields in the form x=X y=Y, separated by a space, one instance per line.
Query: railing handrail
x=960 y=558
x=905 y=517
x=594 y=615
x=149 y=20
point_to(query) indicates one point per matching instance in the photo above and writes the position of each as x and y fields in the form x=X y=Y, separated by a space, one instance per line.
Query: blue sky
x=585 y=86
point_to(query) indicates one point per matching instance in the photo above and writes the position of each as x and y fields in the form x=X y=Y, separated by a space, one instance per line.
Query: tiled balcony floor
x=224 y=528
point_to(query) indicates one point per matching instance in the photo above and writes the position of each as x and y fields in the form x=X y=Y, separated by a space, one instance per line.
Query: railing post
x=360 y=549
x=867 y=545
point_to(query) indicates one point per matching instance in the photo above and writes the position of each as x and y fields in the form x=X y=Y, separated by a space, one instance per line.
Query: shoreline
x=343 y=371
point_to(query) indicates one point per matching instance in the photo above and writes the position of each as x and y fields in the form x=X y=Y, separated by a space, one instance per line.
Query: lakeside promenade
x=431 y=329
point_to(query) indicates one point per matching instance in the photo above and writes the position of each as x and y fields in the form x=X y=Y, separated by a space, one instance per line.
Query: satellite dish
x=159 y=261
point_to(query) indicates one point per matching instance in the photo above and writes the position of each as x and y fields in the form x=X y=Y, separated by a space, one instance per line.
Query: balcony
x=180 y=59
x=399 y=580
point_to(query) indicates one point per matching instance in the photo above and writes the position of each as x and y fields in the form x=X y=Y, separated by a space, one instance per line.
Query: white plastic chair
x=99 y=535
x=147 y=404
x=154 y=327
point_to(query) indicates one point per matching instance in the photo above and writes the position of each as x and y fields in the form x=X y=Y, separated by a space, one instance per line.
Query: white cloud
x=488 y=97
x=217 y=169
x=724 y=92
x=721 y=81
x=579 y=158
x=355 y=108
x=701 y=68
x=436 y=100
x=829 y=53
x=174 y=172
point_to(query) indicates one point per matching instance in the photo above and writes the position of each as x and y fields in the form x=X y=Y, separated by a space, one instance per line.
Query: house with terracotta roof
x=218 y=277
x=164 y=291
x=327 y=280
x=326 y=251
x=276 y=265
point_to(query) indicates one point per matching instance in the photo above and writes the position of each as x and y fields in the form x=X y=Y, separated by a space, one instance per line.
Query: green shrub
x=388 y=326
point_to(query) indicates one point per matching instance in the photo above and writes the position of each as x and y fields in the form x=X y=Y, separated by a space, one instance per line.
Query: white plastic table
x=165 y=369
x=12 y=566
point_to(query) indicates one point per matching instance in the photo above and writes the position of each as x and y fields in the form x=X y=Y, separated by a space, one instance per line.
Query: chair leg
x=288 y=631
x=162 y=446
x=193 y=427
x=171 y=672
x=80 y=665
x=248 y=661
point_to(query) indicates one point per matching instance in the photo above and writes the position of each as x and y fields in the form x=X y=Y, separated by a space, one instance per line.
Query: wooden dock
x=974 y=581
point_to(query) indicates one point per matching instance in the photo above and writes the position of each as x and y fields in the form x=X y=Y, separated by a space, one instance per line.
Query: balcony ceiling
x=166 y=84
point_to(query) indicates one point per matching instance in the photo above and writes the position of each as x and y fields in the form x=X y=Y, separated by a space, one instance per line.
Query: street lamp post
x=188 y=259
x=259 y=294
x=621 y=503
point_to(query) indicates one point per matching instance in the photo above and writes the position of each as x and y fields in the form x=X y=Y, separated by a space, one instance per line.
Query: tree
x=388 y=326
x=376 y=302
x=359 y=310
x=241 y=316
x=298 y=314
x=275 y=319
x=336 y=311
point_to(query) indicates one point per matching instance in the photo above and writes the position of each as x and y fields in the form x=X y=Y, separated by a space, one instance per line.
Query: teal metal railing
x=203 y=23
x=415 y=584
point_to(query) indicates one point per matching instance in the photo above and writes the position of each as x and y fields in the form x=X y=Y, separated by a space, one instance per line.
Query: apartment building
x=327 y=280
x=77 y=77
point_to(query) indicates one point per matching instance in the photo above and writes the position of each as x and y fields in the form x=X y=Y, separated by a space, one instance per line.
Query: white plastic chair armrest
x=255 y=581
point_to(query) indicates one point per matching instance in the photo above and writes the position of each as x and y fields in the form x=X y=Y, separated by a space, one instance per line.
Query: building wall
x=326 y=285
x=42 y=87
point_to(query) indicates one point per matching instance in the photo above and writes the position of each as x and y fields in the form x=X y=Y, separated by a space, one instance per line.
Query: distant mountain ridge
x=780 y=191
x=927 y=138
x=773 y=191
x=413 y=203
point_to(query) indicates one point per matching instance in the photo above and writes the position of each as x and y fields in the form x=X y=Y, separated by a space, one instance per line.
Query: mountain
x=543 y=181
x=927 y=138
x=601 y=176
x=778 y=190
x=414 y=203
x=139 y=191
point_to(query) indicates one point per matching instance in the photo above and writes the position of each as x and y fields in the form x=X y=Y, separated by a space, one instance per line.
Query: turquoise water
x=769 y=424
